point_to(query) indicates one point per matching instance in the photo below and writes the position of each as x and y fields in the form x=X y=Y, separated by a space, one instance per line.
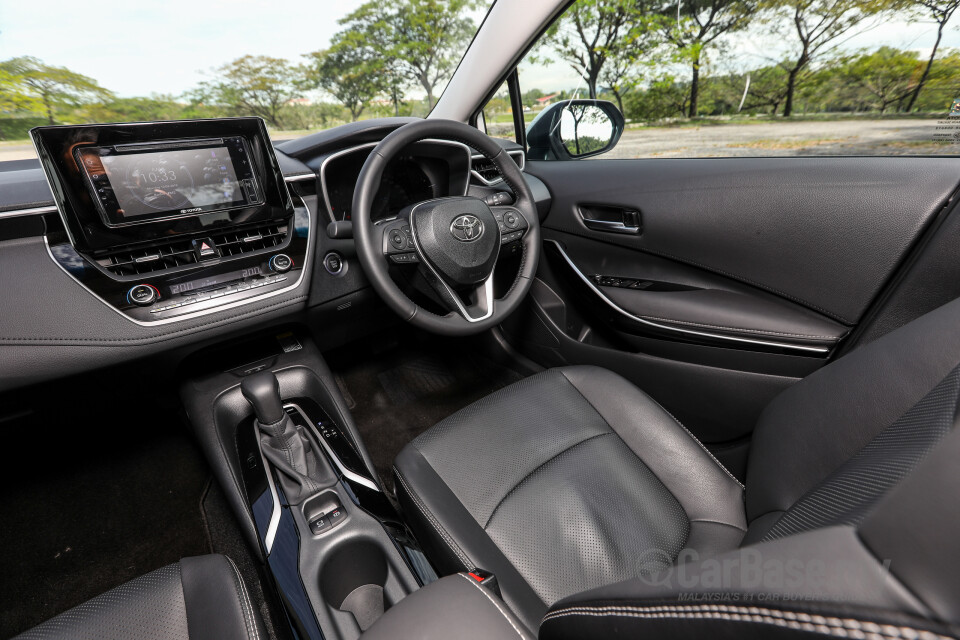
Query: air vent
x=250 y=239
x=180 y=253
x=131 y=262
x=487 y=172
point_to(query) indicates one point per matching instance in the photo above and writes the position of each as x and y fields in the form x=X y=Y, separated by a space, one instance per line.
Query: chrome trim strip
x=349 y=475
x=486 y=288
x=522 y=164
x=33 y=211
x=205 y=312
x=275 y=514
x=664 y=327
x=299 y=177
x=369 y=145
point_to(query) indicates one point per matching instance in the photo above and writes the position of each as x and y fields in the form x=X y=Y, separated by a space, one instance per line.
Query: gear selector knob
x=262 y=390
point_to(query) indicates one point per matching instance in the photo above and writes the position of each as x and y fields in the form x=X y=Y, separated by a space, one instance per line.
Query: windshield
x=301 y=65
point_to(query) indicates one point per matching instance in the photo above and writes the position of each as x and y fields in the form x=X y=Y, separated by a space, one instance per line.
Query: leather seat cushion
x=565 y=481
x=200 y=597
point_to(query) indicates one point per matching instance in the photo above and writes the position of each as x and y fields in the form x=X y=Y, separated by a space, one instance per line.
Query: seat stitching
x=461 y=555
x=680 y=424
x=540 y=466
x=800 y=621
x=245 y=605
x=495 y=603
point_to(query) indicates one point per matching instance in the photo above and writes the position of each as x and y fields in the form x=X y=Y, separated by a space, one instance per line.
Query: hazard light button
x=205 y=248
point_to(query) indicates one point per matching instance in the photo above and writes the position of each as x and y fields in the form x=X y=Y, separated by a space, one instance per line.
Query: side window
x=711 y=78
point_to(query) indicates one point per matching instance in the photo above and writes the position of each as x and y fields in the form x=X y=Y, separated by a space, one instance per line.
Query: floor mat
x=115 y=498
x=398 y=392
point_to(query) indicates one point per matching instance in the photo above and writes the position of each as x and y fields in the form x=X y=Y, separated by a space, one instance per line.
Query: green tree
x=50 y=86
x=941 y=12
x=347 y=72
x=418 y=40
x=138 y=109
x=883 y=77
x=591 y=32
x=817 y=25
x=697 y=26
x=252 y=85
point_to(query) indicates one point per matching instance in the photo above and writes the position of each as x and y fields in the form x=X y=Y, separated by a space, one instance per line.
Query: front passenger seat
x=199 y=598
x=574 y=480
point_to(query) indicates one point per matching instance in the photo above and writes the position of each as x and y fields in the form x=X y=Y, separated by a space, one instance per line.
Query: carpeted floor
x=88 y=504
x=97 y=493
x=397 y=391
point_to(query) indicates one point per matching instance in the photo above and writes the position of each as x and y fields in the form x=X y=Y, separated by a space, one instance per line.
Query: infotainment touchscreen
x=145 y=182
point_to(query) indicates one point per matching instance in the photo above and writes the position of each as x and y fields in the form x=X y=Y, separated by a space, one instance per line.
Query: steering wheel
x=455 y=240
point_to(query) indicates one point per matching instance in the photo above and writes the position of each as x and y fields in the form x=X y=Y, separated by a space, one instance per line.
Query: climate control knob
x=142 y=295
x=281 y=263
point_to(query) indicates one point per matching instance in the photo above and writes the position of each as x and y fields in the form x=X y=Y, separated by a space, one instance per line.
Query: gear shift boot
x=293 y=452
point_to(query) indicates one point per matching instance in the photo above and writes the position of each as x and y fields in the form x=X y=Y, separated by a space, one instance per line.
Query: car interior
x=405 y=379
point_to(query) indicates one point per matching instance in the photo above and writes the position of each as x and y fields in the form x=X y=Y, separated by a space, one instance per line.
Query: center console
x=338 y=557
x=167 y=221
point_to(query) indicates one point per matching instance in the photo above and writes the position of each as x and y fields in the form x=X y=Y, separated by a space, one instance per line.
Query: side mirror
x=572 y=129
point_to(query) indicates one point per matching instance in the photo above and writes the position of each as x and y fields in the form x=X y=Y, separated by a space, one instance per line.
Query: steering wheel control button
x=404 y=258
x=142 y=295
x=205 y=249
x=281 y=263
x=511 y=220
x=397 y=239
x=333 y=263
x=511 y=237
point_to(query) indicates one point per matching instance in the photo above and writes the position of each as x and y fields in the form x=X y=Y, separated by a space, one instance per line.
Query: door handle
x=610 y=219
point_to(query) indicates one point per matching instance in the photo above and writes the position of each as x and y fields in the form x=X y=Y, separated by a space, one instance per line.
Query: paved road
x=795 y=138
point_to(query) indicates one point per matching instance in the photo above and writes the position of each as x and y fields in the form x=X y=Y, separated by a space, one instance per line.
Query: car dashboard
x=95 y=288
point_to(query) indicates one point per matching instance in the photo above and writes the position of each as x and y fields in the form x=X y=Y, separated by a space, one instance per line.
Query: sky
x=168 y=47
x=163 y=46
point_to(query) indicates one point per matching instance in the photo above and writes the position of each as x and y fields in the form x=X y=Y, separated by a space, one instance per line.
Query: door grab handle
x=610 y=219
x=611 y=227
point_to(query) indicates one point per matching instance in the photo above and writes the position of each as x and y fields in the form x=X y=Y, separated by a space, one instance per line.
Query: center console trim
x=226 y=307
x=271 y=534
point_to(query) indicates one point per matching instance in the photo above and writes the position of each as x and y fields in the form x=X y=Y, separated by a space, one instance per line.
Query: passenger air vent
x=486 y=172
x=180 y=253
x=250 y=239
x=127 y=262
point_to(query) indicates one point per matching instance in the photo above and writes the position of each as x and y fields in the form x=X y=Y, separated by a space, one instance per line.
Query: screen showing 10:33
x=156 y=184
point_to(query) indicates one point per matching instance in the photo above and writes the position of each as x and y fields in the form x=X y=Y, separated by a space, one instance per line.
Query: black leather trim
x=437 y=498
x=836 y=577
x=216 y=600
x=199 y=597
x=705 y=489
x=452 y=607
x=916 y=527
x=815 y=426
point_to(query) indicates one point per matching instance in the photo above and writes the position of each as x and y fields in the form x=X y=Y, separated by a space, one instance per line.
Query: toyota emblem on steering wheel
x=466 y=228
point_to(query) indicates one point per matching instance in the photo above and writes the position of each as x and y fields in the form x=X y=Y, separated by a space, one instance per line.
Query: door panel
x=714 y=284
x=823 y=232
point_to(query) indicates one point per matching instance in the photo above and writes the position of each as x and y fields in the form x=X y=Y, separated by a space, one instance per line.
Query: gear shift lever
x=303 y=471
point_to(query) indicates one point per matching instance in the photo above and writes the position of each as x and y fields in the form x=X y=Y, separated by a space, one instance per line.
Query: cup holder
x=353 y=579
